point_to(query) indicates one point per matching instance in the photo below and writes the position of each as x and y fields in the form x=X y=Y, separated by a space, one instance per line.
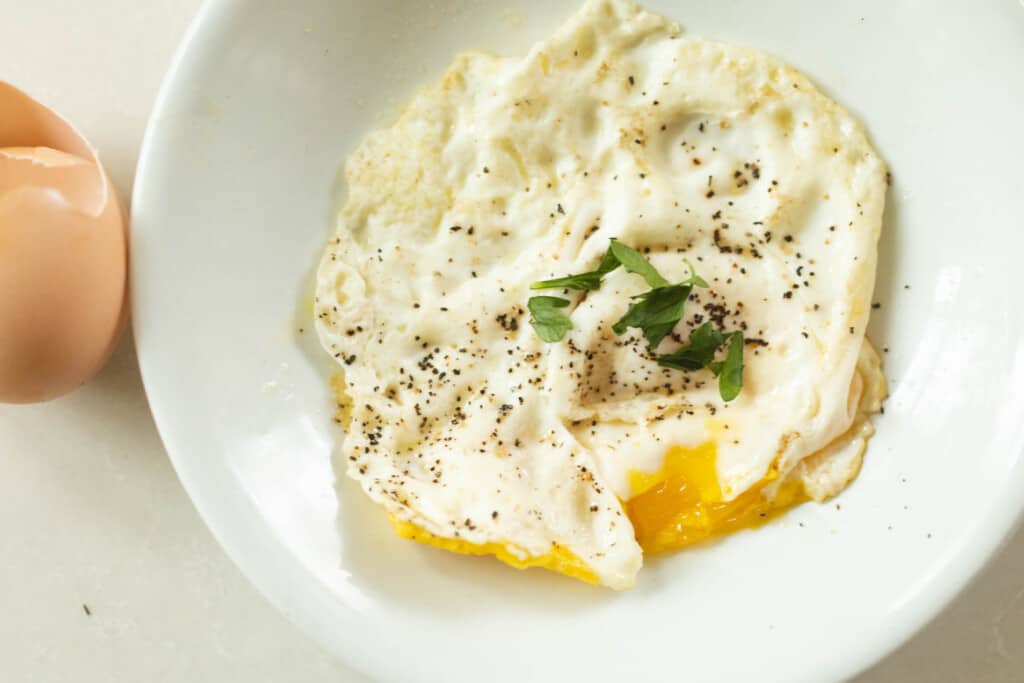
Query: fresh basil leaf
x=617 y=254
x=704 y=343
x=655 y=312
x=730 y=372
x=609 y=263
x=549 y=322
x=584 y=281
x=635 y=262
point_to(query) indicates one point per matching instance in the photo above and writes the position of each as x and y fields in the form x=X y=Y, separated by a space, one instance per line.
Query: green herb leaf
x=700 y=353
x=609 y=263
x=704 y=343
x=635 y=262
x=730 y=372
x=655 y=312
x=584 y=281
x=549 y=322
x=694 y=279
x=617 y=254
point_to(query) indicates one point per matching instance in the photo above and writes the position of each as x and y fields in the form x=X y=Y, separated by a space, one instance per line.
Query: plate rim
x=925 y=606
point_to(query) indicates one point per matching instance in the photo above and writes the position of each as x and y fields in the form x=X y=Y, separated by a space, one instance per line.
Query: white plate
x=235 y=196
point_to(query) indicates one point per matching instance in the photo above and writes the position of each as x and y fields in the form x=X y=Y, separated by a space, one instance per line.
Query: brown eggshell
x=63 y=255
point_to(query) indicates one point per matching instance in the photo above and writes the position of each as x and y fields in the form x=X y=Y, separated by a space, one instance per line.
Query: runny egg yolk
x=676 y=506
x=682 y=503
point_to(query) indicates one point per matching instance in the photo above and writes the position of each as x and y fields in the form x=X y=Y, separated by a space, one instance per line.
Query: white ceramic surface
x=91 y=511
x=235 y=195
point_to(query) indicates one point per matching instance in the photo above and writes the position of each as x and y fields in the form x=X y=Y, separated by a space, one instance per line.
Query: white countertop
x=91 y=513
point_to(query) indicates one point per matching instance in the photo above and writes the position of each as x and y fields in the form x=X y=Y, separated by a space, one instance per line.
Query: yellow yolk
x=682 y=504
x=676 y=506
x=559 y=559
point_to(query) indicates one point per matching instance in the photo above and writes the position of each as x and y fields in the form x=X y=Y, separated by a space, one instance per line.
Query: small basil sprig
x=655 y=312
x=658 y=311
x=704 y=343
x=549 y=322
x=635 y=262
x=730 y=371
x=584 y=281
x=698 y=353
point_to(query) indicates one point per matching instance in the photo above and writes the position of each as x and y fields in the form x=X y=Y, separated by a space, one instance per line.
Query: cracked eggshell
x=63 y=254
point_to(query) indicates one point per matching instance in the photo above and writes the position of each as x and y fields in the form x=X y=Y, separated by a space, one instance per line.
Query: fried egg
x=583 y=455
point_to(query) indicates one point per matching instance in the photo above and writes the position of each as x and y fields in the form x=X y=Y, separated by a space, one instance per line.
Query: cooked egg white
x=580 y=456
